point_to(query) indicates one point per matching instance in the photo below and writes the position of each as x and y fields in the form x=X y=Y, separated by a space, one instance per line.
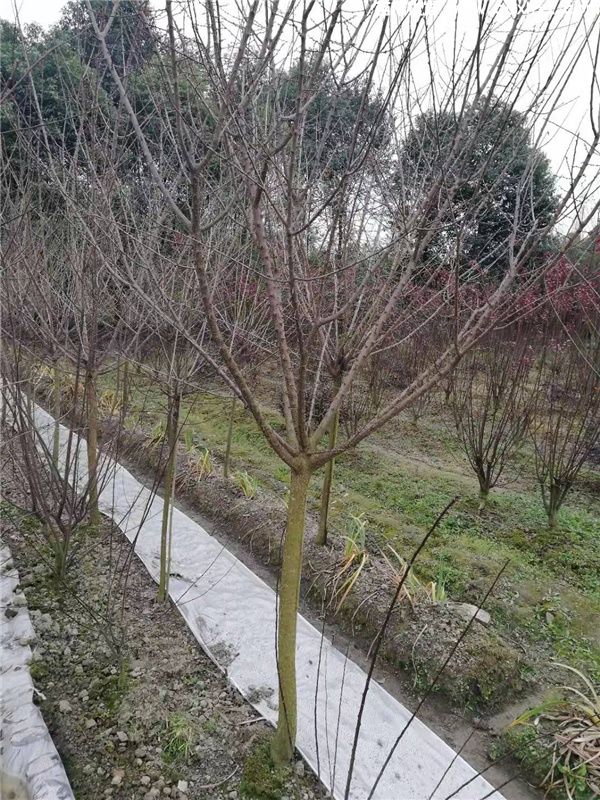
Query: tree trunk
x=92 y=444
x=229 y=437
x=554 y=503
x=282 y=746
x=321 y=537
x=484 y=494
x=3 y=401
x=56 y=413
x=171 y=433
x=62 y=541
x=125 y=393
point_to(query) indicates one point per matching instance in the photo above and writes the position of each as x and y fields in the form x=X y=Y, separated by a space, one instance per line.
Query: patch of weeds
x=85 y=531
x=261 y=780
x=210 y=727
x=195 y=679
x=38 y=671
x=109 y=691
x=246 y=483
x=282 y=473
x=27 y=522
x=443 y=568
x=157 y=435
x=178 y=739
x=200 y=464
x=525 y=745
x=193 y=439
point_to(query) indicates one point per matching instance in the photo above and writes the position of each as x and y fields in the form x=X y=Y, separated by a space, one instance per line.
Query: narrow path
x=232 y=613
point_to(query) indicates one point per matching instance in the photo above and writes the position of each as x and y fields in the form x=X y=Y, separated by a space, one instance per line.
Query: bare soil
x=159 y=719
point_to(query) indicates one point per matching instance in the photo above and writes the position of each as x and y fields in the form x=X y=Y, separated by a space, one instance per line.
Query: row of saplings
x=503 y=394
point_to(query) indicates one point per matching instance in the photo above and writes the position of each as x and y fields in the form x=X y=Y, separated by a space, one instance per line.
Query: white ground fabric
x=30 y=766
x=231 y=612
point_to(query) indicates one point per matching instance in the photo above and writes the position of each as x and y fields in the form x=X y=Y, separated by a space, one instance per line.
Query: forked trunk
x=282 y=745
x=92 y=444
x=171 y=434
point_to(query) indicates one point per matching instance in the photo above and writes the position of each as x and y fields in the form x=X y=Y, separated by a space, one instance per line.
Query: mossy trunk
x=553 y=505
x=229 y=437
x=91 y=401
x=321 y=537
x=484 y=496
x=283 y=743
x=171 y=435
x=56 y=413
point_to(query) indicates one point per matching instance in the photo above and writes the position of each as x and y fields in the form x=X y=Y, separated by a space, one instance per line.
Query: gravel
x=136 y=709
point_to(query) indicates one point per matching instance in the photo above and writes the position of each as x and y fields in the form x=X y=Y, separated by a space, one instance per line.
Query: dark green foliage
x=340 y=123
x=485 y=156
x=39 y=68
x=131 y=38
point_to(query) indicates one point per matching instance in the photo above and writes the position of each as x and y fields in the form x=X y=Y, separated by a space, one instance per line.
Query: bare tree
x=565 y=419
x=240 y=166
x=490 y=404
x=173 y=365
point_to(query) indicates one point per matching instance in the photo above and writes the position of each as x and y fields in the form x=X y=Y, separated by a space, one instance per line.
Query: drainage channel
x=232 y=614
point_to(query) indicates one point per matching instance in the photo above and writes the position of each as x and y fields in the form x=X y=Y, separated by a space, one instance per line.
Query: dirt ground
x=253 y=530
x=166 y=723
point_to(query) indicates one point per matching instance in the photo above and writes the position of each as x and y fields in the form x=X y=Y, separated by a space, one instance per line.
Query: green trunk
x=484 y=494
x=229 y=438
x=554 y=504
x=165 y=548
x=321 y=537
x=92 y=444
x=282 y=746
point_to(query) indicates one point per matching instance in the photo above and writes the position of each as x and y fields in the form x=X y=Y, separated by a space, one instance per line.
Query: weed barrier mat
x=29 y=762
x=232 y=614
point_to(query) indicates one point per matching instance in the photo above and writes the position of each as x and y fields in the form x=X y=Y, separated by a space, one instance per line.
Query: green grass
x=400 y=480
x=525 y=745
x=178 y=739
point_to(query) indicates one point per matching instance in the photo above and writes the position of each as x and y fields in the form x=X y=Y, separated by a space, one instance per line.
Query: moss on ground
x=261 y=780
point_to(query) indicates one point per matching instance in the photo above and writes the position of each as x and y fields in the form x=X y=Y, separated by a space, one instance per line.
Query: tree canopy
x=511 y=179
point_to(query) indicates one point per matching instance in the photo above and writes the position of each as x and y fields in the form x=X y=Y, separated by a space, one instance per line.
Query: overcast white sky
x=573 y=117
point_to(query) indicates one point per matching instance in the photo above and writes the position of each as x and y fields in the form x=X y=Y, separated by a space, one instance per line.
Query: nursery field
x=547 y=603
x=300 y=400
